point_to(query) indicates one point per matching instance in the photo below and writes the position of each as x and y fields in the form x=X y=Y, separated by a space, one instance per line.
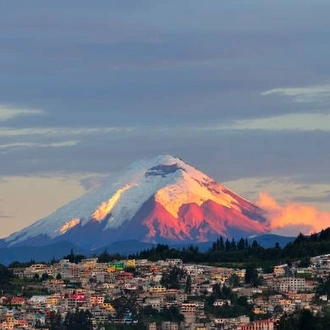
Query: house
x=222 y=302
x=258 y=325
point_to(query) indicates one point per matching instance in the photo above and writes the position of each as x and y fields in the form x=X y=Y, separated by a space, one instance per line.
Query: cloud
x=291 y=121
x=292 y=217
x=316 y=194
x=309 y=94
x=91 y=182
x=286 y=122
x=38 y=145
x=7 y=113
x=61 y=131
x=325 y=198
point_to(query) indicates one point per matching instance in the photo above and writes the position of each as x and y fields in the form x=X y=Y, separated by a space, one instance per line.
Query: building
x=258 y=325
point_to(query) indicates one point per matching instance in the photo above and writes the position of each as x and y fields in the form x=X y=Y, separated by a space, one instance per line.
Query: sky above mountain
x=240 y=89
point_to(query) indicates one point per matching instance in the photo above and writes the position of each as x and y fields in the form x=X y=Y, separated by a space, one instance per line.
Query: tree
x=79 y=320
x=6 y=275
x=58 y=276
x=127 y=304
x=326 y=319
x=172 y=314
x=55 y=321
x=251 y=275
x=305 y=262
x=324 y=288
x=241 y=244
x=278 y=309
x=216 y=291
x=71 y=256
x=104 y=257
x=74 y=258
x=44 y=276
x=171 y=279
x=188 y=285
x=232 y=245
x=306 y=320
x=218 y=245
x=234 y=280
x=227 y=245
x=255 y=244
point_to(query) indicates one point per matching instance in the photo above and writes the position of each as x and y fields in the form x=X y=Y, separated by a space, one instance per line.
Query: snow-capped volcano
x=158 y=200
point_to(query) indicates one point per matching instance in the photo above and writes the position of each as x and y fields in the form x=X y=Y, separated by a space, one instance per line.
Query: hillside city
x=90 y=293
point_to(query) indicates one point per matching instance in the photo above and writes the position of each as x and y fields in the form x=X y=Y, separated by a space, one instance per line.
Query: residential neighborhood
x=141 y=293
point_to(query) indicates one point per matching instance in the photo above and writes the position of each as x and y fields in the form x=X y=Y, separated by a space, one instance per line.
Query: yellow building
x=157 y=289
x=131 y=263
x=107 y=306
x=111 y=269
x=52 y=300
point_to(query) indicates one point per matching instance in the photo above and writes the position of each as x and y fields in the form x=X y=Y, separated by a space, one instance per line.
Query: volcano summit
x=160 y=200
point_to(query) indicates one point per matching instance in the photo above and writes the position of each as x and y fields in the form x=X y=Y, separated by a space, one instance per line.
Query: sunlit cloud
x=290 y=207
x=7 y=113
x=293 y=217
x=280 y=188
x=309 y=94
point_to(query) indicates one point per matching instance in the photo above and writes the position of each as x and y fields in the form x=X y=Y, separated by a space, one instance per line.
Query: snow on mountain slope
x=171 y=182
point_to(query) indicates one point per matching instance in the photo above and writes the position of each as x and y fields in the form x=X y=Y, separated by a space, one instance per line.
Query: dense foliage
x=172 y=314
x=5 y=277
x=79 y=320
x=227 y=251
x=305 y=320
x=242 y=251
x=74 y=258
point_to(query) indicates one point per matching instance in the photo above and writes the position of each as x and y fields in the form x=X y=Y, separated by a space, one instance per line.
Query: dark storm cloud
x=144 y=68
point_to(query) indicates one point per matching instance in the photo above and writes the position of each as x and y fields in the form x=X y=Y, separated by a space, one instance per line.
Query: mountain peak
x=158 y=199
x=160 y=161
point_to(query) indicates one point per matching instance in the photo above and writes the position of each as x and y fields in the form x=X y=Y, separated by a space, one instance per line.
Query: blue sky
x=240 y=89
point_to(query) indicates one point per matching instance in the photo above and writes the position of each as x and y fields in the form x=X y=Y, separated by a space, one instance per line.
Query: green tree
x=74 y=258
x=79 y=320
x=6 y=275
x=127 y=304
x=188 y=285
x=306 y=320
x=305 y=262
x=216 y=291
x=251 y=275
x=54 y=321
x=44 y=276
x=234 y=280
x=227 y=245
x=171 y=279
x=233 y=245
x=104 y=257
x=241 y=244
x=326 y=319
